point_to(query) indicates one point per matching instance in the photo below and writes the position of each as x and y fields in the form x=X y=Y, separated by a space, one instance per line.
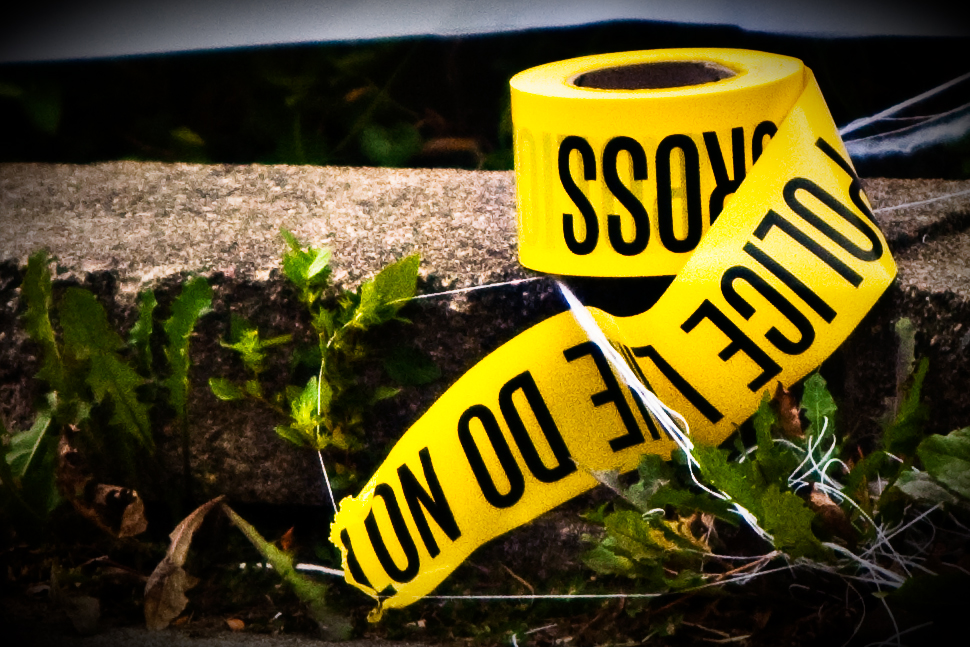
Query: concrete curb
x=120 y=226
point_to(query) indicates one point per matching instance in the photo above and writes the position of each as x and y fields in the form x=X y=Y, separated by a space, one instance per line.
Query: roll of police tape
x=721 y=167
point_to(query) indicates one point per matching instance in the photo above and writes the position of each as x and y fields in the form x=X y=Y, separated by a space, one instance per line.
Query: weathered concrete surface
x=118 y=227
x=146 y=221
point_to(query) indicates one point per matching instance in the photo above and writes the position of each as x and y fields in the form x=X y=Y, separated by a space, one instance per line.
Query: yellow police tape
x=776 y=257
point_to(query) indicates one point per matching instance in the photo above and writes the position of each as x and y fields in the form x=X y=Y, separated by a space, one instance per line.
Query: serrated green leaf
x=411 y=367
x=248 y=346
x=245 y=341
x=109 y=376
x=194 y=301
x=36 y=293
x=323 y=322
x=289 y=434
x=818 y=404
x=635 y=536
x=321 y=259
x=947 y=460
x=789 y=521
x=290 y=239
x=775 y=461
x=295 y=266
x=87 y=335
x=139 y=337
x=224 y=389
x=308 y=270
x=304 y=407
x=385 y=294
x=85 y=325
x=397 y=281
x=741 y=481
x=764 y=420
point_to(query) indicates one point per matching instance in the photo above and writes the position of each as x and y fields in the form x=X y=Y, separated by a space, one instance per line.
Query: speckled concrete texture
x=117 y=227
x=145 y=221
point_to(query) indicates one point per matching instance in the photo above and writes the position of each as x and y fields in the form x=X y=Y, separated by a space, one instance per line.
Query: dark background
x=424 y=101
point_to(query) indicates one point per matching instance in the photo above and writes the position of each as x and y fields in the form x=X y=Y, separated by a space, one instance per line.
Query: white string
x=326 y=478
x=944 y=119
x=679 y=432
x=316 y=568
x=922 y=202
x=859 y=123
x=660 y=411
x=432 y=295
x=545 y=596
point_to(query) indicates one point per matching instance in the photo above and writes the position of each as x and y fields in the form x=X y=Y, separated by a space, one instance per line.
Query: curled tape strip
x=720 y=167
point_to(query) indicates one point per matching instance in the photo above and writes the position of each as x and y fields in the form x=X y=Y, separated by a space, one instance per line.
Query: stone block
x=122 y=226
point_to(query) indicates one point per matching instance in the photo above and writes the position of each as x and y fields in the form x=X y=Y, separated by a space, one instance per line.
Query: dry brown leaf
x=165 y=591
x=787 y=409
x=236 y=624
x=833 y=517
x=119 y=511
x=286 y=541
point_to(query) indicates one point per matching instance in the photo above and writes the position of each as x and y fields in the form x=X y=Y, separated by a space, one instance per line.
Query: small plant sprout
x=327 y=411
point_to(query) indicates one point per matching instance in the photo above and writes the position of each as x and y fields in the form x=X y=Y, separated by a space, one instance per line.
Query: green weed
x=327 y=411
x=101 y=387
x=810 y=504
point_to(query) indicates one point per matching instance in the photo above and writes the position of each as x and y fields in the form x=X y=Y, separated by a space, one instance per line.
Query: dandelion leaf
x=36 y=293
x=109 y=376
x=789 y=521
x=818 y=403
x=194 y=301
x=139 y=337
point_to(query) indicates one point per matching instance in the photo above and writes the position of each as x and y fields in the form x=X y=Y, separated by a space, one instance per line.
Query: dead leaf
x=788 y=412
x=236 y=624
x=119 y=511
x=286 y=541
x=832 y=516
x=165 y=591
x=72 y=472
